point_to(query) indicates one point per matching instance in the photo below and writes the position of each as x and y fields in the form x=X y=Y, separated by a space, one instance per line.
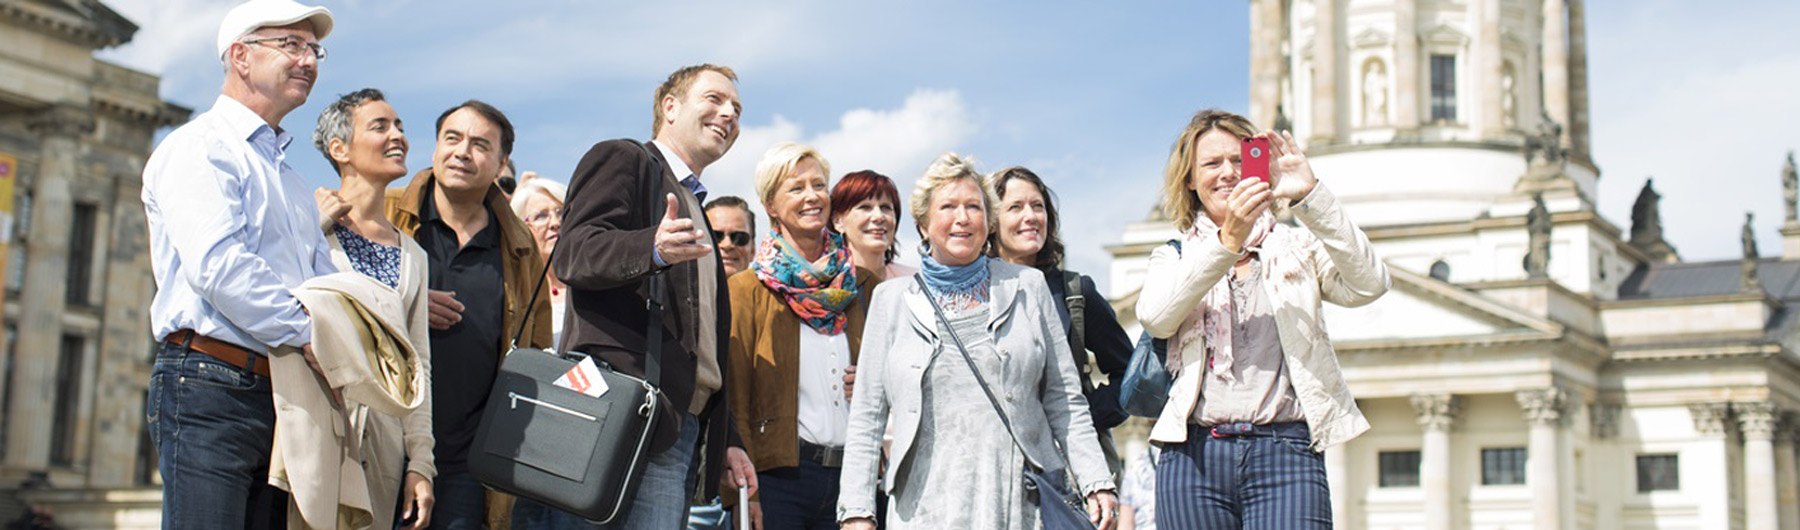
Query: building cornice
x=101 y=28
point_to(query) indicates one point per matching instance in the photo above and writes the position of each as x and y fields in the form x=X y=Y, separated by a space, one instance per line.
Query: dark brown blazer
x=604 y=256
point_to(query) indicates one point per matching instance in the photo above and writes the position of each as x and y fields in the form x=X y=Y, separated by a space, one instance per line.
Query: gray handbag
x=1059 y=506
x=565 y=449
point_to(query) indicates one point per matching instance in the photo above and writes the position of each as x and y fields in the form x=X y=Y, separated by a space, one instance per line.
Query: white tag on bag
x=584 y=377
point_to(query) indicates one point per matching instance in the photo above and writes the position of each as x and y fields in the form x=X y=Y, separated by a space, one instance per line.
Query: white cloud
x=898 y=143
x=171 y=35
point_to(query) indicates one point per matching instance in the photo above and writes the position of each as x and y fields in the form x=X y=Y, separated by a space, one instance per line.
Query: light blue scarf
x=956 y=287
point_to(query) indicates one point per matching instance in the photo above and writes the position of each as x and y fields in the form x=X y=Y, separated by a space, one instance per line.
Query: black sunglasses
x=737 y=237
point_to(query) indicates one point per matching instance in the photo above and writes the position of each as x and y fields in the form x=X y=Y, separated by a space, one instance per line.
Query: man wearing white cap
x=233 y=229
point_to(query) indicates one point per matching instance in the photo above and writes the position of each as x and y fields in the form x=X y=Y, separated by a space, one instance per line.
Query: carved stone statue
x=1537 y=247
x=1282 y=123
x=1374 y=91
x=1545 y=147
x=1748 y=266
x=1790 y=187
x=1646 y=216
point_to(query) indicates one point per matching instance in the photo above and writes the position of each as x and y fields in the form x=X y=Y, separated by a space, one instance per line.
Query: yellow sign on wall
x=9 y=171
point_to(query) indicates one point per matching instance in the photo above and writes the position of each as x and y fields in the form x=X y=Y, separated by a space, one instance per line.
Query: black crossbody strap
x=978 y=379
x=532 y=302
x=652 y=187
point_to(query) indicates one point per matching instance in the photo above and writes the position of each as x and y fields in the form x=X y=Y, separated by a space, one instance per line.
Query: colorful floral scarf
x=957 y=288
x=817 y=292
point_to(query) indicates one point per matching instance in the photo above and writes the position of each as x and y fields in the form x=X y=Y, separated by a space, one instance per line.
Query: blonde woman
x=1255 y=397
x=952 y=463
x=796 y=326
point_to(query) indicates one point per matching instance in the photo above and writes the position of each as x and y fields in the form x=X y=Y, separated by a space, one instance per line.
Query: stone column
x=122 y=376
x=1578 y=89
x=1489 y=65
x=29 y=422
x=1406 y=65
x=1787 y=474
x=1266 y=65
x=1337 y=477
x=1543 y=410
x=1436 y=413
x=1757 y=421
x=1555 y=62
x=1325 y=106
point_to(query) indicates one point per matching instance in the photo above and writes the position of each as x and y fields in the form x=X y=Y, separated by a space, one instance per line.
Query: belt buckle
x=1229 y=430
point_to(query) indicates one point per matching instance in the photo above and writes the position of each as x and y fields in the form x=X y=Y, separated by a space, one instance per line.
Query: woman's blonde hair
x=948 y=168
x=778 y=164
x=1181 y=204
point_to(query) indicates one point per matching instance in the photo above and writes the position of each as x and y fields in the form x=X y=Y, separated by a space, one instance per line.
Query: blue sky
x=1088 y=94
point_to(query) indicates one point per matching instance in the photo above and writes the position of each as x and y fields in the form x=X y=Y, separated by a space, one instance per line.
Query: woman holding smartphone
x=1255 y=397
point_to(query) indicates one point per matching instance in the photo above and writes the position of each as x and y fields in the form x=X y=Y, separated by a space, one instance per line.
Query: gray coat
x=1039 y=389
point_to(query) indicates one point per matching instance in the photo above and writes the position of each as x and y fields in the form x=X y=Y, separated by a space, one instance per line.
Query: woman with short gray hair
x=363 y=139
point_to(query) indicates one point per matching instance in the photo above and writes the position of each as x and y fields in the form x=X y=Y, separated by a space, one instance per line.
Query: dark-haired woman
x=1028 y=234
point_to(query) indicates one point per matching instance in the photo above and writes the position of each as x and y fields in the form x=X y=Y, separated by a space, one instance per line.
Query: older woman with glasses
x=796 y=325
x=1257 y=391
x=539 y=202
x=362 y=138
x=937 y=343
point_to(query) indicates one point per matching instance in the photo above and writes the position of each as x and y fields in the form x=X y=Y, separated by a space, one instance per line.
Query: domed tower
x=1422 y=111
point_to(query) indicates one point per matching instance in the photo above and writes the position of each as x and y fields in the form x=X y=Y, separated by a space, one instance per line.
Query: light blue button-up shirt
x=233 y=229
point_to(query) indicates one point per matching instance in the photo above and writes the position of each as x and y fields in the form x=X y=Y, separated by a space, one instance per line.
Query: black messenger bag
x=563 y=448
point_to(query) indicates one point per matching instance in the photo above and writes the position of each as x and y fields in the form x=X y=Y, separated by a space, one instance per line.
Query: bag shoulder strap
x=652 y=187
x=1004 y=421
x=1077 y=303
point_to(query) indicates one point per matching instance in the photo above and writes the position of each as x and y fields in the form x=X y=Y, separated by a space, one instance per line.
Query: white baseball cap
x=250 y=16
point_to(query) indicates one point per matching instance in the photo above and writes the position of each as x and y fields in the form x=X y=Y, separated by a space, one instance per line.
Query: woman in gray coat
x=952 y=464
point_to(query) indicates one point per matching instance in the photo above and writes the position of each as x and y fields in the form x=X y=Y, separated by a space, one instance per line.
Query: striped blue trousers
x=1267 y=479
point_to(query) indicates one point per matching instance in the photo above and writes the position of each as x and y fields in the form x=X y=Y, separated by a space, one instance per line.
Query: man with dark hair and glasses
x=484 y=262
x=733 y=230
x=233 y=230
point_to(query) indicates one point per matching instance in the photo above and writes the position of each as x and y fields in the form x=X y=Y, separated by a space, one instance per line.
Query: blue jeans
x=661 y=502
x=803 y=497
x=1266 y=479
x=709 y=516
x=461 y=502
x=214 y=427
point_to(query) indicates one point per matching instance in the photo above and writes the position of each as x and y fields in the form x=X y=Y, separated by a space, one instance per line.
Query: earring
x=924 y=248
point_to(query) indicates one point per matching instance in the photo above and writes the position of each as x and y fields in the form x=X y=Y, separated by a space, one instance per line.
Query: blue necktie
x=693 y=185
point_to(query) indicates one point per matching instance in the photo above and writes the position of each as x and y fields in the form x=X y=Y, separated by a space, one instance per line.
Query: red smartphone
x=1256 y=159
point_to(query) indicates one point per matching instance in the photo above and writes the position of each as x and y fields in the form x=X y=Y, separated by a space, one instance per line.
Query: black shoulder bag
x=1059 y=508
x=563 y=448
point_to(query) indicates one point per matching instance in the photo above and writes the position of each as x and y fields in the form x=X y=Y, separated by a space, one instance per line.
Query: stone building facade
x=78 y=285
x=1534 y=366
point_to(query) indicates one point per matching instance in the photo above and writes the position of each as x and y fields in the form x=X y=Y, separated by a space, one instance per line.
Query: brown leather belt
x=232 y=354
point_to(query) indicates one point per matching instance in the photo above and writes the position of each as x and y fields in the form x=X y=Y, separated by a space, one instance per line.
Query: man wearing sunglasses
x=233 y=230
x=733 y=230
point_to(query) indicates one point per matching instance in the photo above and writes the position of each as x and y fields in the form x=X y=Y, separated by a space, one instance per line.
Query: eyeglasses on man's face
x=291 y=45
x=736 y=237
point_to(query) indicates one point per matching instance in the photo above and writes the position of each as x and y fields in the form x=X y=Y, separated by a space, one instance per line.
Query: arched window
x=1440 y=271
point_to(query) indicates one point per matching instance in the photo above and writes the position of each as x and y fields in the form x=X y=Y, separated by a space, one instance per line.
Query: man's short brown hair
x=677 y=85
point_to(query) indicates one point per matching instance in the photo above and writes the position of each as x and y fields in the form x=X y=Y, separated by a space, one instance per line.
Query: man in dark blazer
x=613 y=240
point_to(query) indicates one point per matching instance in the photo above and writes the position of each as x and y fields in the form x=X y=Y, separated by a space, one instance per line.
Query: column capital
x=1605 y=419
x=1758 y=420
x=1437 y=412
x=1710 y=418
x=1544 y=406
x=63 y=120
